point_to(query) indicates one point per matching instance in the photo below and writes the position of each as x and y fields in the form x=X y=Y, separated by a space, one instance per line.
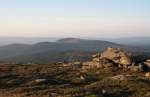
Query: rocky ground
x=107 y=75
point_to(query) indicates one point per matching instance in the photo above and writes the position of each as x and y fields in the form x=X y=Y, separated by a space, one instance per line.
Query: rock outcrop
x=113 y=58
x=117 y=55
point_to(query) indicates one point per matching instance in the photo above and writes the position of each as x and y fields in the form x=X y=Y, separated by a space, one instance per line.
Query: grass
x=66 y=82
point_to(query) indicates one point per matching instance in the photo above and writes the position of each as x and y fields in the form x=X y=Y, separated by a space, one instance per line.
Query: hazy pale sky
x=75 y=18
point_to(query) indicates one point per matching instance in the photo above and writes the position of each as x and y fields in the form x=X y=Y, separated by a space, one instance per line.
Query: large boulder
x=117 y=55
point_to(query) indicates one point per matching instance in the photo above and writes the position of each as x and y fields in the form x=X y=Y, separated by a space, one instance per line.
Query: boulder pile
x=117 y=55
x=113 y=58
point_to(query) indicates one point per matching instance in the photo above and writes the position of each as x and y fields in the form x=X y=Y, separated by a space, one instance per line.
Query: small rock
x=147 y=75
x=95 y=56
x=40 y=80
x=147 y=94
x=119 y=77
x=82 y=78
x=96 y=59
x=148 y=60
x=141 y=67
x=147 y=64
x=91 y=65
x=104 y=91
x=54 y=94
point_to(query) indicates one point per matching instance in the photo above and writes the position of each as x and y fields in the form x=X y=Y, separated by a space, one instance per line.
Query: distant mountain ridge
x=138 y=41
x=56 y=51
x=51 y=51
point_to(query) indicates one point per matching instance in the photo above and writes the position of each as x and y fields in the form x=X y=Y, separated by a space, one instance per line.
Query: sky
x=74 y=18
